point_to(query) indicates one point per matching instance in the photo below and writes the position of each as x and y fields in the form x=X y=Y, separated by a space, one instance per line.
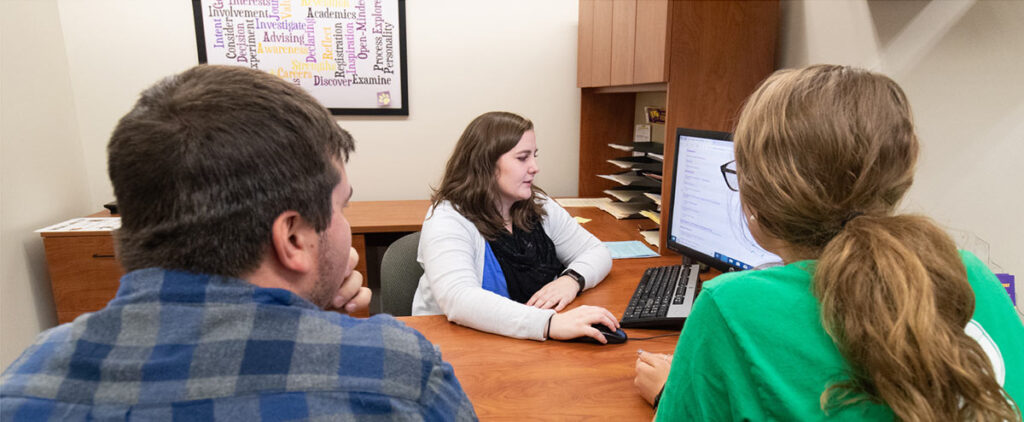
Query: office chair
x=399 y=275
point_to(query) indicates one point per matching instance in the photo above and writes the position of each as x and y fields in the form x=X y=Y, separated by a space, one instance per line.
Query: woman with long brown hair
x=498 y=254
x=875 y=315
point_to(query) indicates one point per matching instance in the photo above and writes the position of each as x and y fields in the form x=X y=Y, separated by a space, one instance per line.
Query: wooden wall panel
x=720 y=51
x=652 y=35
x=601 y=58
x=604 y=119
x=585 y=51
x=623 y=39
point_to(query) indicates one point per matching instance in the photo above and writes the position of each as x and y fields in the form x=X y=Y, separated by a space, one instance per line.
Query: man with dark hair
x=231 y=185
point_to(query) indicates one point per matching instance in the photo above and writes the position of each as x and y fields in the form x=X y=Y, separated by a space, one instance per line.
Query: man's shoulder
x=330 y=327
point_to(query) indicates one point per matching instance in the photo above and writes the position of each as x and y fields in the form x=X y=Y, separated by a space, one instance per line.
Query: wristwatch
x=575 y=276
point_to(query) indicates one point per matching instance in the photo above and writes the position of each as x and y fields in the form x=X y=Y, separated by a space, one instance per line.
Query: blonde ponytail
x=894 y=295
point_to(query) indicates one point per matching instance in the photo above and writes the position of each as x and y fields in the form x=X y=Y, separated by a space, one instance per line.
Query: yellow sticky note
x=582 y=220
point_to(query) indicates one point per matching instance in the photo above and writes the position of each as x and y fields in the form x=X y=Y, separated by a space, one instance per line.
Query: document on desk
x=582 y=220
x=85 y=224
x=582 y=202
x=630 y=249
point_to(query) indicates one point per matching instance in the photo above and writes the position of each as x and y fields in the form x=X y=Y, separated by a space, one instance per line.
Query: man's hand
x=352 y=296
x=556 y=294
x=651 y=373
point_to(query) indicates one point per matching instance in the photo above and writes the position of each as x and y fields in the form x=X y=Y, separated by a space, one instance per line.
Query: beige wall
x=465 y=57
x=42 y=172
x=960 y=64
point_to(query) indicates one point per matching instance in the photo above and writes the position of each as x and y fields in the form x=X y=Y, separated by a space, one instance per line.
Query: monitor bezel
x=676 y=246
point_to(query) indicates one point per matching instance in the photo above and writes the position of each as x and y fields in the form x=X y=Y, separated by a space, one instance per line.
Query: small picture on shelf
x=655 y=115
x=642 y=133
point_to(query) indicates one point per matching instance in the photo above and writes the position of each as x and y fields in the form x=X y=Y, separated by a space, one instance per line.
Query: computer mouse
x=613 y=337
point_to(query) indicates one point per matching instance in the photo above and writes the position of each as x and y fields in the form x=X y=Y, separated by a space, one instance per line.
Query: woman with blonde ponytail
x=876 y=315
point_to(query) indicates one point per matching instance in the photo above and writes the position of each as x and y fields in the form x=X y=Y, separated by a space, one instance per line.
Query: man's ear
x=295 y=242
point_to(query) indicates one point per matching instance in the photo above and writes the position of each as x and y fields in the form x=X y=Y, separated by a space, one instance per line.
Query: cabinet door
x=623 y=39
x=584 y=50
x=622 y=42
x=601 y=51
x=651 y=45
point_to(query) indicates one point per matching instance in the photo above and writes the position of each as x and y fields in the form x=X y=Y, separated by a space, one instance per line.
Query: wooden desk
x=510 y=379
x=505 y=378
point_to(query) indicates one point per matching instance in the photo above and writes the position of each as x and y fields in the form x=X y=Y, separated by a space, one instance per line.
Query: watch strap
x=576 y=276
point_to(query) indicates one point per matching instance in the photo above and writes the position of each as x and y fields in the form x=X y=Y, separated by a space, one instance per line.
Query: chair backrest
x=400 y=275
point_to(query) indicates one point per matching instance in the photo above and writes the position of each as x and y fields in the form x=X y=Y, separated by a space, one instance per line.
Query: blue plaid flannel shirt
x=180 y=346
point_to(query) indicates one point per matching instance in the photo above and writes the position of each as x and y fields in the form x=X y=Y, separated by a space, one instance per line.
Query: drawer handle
x=96 y=255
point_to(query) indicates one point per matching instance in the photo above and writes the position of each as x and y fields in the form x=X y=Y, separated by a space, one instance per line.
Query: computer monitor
x=706 y=222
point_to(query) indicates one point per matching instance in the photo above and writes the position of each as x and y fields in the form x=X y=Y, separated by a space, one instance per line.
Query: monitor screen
x=706 y=221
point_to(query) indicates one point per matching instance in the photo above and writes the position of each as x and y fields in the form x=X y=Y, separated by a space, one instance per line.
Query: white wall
x=42 y=172
x=960 y=64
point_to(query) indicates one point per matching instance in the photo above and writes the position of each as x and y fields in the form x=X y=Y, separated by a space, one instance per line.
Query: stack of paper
x=653 y=237
x=629 y=193
x=85 y=224
x=629 y=249
x=656 y=197
x=621 y=210
x=653 y=215
x=637 y=163
x=582 y=202
x=649 y=147
x=629 y=179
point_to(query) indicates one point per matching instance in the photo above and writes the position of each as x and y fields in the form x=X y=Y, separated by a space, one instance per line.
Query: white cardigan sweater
x=452 y=250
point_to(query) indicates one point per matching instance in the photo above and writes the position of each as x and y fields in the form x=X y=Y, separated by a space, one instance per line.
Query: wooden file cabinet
x=84 y=274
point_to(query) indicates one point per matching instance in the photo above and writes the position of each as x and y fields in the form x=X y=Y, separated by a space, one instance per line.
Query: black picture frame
x=345 y=57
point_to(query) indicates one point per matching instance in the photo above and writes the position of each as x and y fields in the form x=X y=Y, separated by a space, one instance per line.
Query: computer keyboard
x=663 y=298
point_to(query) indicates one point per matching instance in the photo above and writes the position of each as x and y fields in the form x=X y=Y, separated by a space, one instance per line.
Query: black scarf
x=528 y=261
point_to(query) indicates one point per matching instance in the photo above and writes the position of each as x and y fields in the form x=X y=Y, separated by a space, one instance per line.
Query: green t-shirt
x=754 y=349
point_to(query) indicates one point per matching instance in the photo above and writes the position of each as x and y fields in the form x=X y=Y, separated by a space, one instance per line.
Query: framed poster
x=349 y=54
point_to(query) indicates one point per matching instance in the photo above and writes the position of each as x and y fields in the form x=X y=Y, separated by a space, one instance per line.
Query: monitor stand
x=690 y=261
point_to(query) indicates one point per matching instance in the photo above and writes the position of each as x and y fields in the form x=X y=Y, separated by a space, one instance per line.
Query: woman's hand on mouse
x=577 y=323
x=651 y=373
x=556 y=294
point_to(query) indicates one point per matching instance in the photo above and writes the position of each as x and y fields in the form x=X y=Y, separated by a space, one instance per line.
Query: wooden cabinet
x=85 y=274
x=622 y=42
x=707 y=56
